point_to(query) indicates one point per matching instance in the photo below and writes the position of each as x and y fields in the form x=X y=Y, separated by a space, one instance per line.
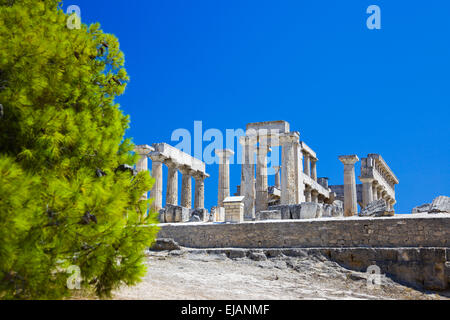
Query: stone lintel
x=306 y=149
x=384 y=165
x=143 y=149
x=279 y=126
x=237 y=199
x=182 y=158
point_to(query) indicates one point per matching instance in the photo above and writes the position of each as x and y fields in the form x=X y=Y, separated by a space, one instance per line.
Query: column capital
x=314 y=192
x=171 y=163
x=143 y=149
x=349 y=159
x=248 y=140
x=186 y=170
x=224 y=153
x=156 y=156
x=198 y=175
x=366 y=180
x=290 y=137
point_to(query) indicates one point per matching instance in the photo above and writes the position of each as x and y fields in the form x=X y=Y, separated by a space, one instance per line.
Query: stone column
x=262 y=196
x=186 y=187
x=350 y=200
x=314 y=196
x=157 y=174
x=367 y=193
x=199 y=200
x=379 y=192
x=142 y=164
x=374 y=191
x=308 y=194
x=143 y=151
x=392 y=203
x=248 y=176
x=384 y=196
x=290 y=181
x=307 y=167
x=172 y=183
x=277 y=177
x=313 y=169
x=224 y=175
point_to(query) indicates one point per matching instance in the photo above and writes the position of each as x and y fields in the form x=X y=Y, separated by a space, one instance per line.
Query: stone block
x=377 y=208
x=176 y=214
x=162 y=215
x=284 y=209
x=422 y=208
x=327 y=211
x=199 y=215
x=440 y=204
x=310 y=210
x=338 y=208
x=234 y=209
x=268 y=215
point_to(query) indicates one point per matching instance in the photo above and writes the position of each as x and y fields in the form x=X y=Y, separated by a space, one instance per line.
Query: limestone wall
x=408 y=231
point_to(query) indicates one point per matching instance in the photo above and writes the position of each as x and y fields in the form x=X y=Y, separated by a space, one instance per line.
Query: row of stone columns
x=310 y=166
x=371 y=190
x=172 y=183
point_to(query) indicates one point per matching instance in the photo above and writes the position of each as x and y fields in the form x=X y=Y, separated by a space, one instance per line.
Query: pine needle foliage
x=63 y=201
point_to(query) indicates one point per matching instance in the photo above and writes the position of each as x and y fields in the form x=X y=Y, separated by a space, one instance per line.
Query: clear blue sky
x=346 y=89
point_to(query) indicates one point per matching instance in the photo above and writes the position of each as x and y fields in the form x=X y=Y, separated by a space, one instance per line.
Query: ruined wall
x=348 y=232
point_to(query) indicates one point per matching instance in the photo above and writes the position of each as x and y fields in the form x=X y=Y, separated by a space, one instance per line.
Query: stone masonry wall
x=347 y=232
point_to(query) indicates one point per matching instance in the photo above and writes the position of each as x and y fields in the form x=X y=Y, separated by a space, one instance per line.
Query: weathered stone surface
x=338 y=208
x=284 y=210
x=163 y=244
x=257 y=256
x=422 y=208
x=377 y=208
x=236 y=253
x=327 y=210
x=268 y=215
x=310 y=210
x=199 y=215
x=440 y=204
x=162 y=215
x=176 y=213
x=409 y=231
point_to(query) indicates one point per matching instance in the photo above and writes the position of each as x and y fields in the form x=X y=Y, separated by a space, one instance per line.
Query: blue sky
x=315 y=64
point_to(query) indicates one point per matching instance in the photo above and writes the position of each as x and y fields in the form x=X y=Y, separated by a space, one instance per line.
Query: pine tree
x=67 y=194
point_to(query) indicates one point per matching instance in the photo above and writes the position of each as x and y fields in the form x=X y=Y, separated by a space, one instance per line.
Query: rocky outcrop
x=377 y=208
x=163 y=244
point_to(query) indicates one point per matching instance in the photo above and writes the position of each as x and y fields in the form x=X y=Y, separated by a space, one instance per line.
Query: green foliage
x=62 y=201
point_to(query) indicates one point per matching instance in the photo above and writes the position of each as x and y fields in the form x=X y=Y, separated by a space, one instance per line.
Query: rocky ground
x=196 y=274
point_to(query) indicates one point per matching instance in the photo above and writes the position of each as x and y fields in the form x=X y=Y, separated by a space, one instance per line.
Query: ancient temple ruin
x=297 y=193
x=176 y=161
